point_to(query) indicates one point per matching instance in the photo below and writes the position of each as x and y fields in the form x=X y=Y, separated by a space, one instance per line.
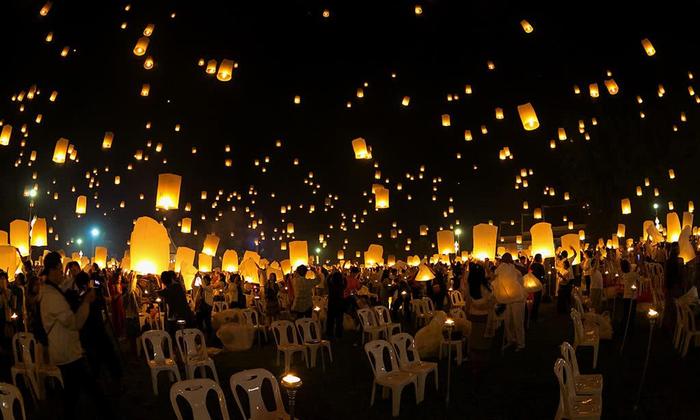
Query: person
x=272 y=303
x=336 y=304
x=352 y=286
x=481 y=308
x=437 y=291
x=630 y=281
x=303 y=290
x=72 y=269
x=62 y=327
x=586 y=266
x=596 y=285
x=565 y=275
x=131 y=309
x=515 y=311
x=537 y=269
x=205 y=304
x=174 y=296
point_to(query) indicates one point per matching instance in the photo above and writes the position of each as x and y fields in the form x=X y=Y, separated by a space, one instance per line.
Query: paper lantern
x=211 y=243
x=286 y=266
x=381 y=199
x=673 y=227
x=19 y=236
x=582 y=235
x=148 y=30
x=360 y=148
x=340 y=255
x=531 y=284
x=168 y=193
x=526 y=26
x=687 y=251
x=406 y=100
x=249 y=271
x=107 y=140
x=506 y=289
x=150 y=247
x=225 y=70
x=229 y=261
x=186 y=225
x=211 y=67
x=528 y=117
x=39 y=237
x=204 y=263
x=620 y=230
x=424 y=273
x=446 y=120
x=671 y=174
x=691 y=207
x=687 y=219
x=290 y=228
x=141 y=46
x=391 y=261
x=60 y=151
x=9 y=260
x=446 y=242
x=612 y=87
x=81 y=204
x=484 y=237
x=423 y=231
x=648 y=47
x=572 y=240
x=283 y=246
x=5 y=135
x=100 y=256
x=298 y=254
x=374 y=255
x=184 y=257
x=626 y=206
x=3 y=238
x=561 y=133
x=542 y=239
x=537 y=214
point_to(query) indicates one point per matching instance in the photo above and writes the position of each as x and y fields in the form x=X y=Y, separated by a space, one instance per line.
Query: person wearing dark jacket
x=537 y=269
x=174 y=297
x=336 y=304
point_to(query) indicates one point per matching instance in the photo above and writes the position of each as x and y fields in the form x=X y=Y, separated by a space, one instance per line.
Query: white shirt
x=61 y=327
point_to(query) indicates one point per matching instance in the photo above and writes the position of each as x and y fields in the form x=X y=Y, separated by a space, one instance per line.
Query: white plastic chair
x=585 y=338
x=195 y=392
x=310 y=332
x=219 y=305
x=583 y=384
x=251 y=382
x=446 y=341
x=252 y=318
x=8 y=395
x=389 y=377
x=690 y=331
x=152 y=342
x=193 y=353
x=370 y=325
x=421 y=316
x=456 y=299
x=287 y=342
x=458 y=313
x=25 y=349
x=429 y=306
x=572 y=406
x=384 y=319
x=409 y=361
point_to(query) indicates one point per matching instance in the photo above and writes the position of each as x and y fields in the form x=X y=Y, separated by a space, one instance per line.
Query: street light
x=95 y=232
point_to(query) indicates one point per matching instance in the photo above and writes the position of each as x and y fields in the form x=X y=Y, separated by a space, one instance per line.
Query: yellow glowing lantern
x=424 y=273
x=168 y=193
x=290 y=228
x=593 y=90
x=60 y=151
x=499 y=113
x=204 y=263
x=687 y=251
x=526 y=26
x=298 y=254
x=39 y=237
x=148 y=63
x=141 y=46
x=687 y=219
x=446 y=242
x=211 y=67
x=528 y=117
x=9 y=261
x=81 y=204
x=225 y=70
x=186 y=225
x=445 y=120
x=359 y=146
x=612 y=87
x=484 y=237
x=648 y=47
x=673 y=227
x=145 y=89
x=3 y=238
x=5 y=135
x=283 y=246
x=148 y=30
x=107 y=140
x=19 y=236
x=229 y=261
x=374 y=255
x=626 y=206
x=184 y=257
x=46 y=8
x=537 y=213
x=150 y=247
x=671 y=174
x=381 y=199
x=542 y=239
x=582 y=235
x=406 y=100
x=100 y=256
x=211 y=243
x=620 y=230
x=341 y=254
x=691 y=207
x=249 y=271
x=561 y=133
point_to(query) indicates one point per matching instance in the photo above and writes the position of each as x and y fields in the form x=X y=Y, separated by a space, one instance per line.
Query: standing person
x=481 y=309
x=537 y=269
x=174 y=297
x=336 y=304
x=629 y=297
x=515 y=311
x=352 y=286
x=205 y=305
x=62 y=327
x=565 y=275
x=132 y=304
x=586 y=266
x=303 y=291
x=272 y=303
x=438 y=290
x=596 y=281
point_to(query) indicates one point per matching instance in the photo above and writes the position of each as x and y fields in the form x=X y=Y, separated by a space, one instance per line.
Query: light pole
x=652 y=315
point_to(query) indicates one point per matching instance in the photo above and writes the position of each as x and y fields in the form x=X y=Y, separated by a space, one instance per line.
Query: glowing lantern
x=468 y=135
x=39 y=237
x=561 y=134
x=542 y=239
x=381 y=200
x=298 y=253
x=526 y=26
x=406 y=100
x=141 y=46
x=424 y=273
x=648 y=47
x=184 y=257
x=528 y=117
x=445 y=120
x=148 y=30
x=620 y=230
x=673 y=227
x=290 y=228
x=45 y=8
x=5 y=135
x=341 y=254
x=145 y=89
x=507 y=289
x=626 y=206
x=107 y=140
x=249 y=271
x=582 y=235
x=186 y=225
x=687 y=219
x=531 y=283
x=671 y=174
x=168 y=193
x=360 y=148
x=423 y=231
x=691 y=207
x=211 y=67
x=150 y=247
x=484 y=237
x=687 y=251
x=593 y=90
x=204 y=263
x=225 y=70
x=9 y=261
x=538 y=213
x=374 y=255
x=100 y=256
x=446 y=242
x=612 y=87
x=499 y=113
x=19 y=236
x=60 y=151
x=81 y=204
x=229 y=262
x=211 y=243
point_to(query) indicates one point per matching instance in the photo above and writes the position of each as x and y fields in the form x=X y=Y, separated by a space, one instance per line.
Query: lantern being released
x=204 y=263
x=626 y=206
x=150 y=247
x=374 y=255
x=229 y=261
x=183 y=257
x=298 y=254
x=572 y=240
x=9 y=260
x=446 y=242
x=484 y=237
x=673 y=227
x=100 y=256
x=168 y=194
x=528 y=117
x=39 y=237
x=19 y=236
x=81 y=204
x=542 y=239
x=211 y=243
x=424 y=273
x=359 y=146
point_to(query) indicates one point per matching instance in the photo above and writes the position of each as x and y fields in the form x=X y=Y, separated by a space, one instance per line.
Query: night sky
x=288 y=48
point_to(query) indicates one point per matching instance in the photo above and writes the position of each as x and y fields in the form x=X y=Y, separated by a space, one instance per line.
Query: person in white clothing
x=515 y=311
x=596 y=285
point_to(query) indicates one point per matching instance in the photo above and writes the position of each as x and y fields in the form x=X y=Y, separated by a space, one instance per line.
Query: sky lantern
x=423 y=230
x=626 y=206
x=691 y=207
x=290 y=228
x=620 y=230
x=81 y=204
x=184 y=257
x=484 y=236
x=561 y=133
x=3 y=238
x=528 y=117
x=249 y=271
x=211 y=67
x=298 y=254
x=211 y=243
x=406 y=100
x=340 y=254
x=148 y=30
x=593 y=90
x=687 y=251
x=204 y=263
x=46 y=8
x=60 y=151
x=673 y=227
x=229 y=261
x=19 y=236
x=582 y=235
x=612 y=87
x=671 y=174
x=225 y=70
x=141 y=46
x=39 y=237
x=145 y=89
x=424 y=273
x=648 y=47
x=150 y=247
x=374 y=255
x=381 y=198
x=446 y=242
x=9 y=261
x=359 y=146
x=100 y=256
x=687 y=219
x=526 y=26
x=107 y=140
x=542 y=239
x=499 y=113
x=186 y=225
x=537 y=213
x=168 y=193
x=5 y=135
x=446 y=120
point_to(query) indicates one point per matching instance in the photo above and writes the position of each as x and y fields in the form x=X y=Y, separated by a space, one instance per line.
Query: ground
x=518 y=385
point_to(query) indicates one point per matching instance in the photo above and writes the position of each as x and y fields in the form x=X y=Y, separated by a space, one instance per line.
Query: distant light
x=458 y=231
x=318 y=250
x=95 y=232
x=656 y=205
x=32 y=193
x=79 y=241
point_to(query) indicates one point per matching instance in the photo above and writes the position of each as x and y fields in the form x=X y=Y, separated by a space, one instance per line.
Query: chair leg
x=330 y=353
x=287 y=362
x=213 y=371
x=396 y=401
x=374 y=389
x=154 y=381
x=420 y=388
x=595 y=355
x=686 y=344
x=435 y=372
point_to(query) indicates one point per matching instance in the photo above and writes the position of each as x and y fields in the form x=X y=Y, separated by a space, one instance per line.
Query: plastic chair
x=421 y=316
x=369 y=324
x=585 y=338
x=193 y=353
x=572 y=406
x=219 y=305
x=679 y=330
x=456 y=299
x=409 y=361
x=156 y=358
x=310 y=332
x=447 y=341
x=195 y=392
x=8 y=395
x=690 y=331
x=429 y=306
x=384 y=319
x=25 y=349
x=251 y=381
x=252 y=318
x=458 y=313
x=287 y=342
x=389 y=377
x=583 y=384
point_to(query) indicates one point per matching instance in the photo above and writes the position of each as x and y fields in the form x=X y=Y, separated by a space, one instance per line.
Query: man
x=174 y=296
x=565 y=275
x=303 y=291
x=62 y=327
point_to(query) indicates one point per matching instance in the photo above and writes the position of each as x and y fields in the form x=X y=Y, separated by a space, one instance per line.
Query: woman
x=272 y=304
x=481 y=303
x=537 y=269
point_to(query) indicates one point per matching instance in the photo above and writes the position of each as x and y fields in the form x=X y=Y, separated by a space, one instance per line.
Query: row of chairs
x=685 y=330
x=376 y=322
x=29 y=364
x=580 y=396
x=303 y=336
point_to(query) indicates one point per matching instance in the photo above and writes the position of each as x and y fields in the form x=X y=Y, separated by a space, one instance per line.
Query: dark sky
x=287 y=48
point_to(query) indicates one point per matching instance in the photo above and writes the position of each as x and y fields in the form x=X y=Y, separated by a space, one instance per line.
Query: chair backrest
x=284 y=332
x=456 y=297
x=251 y=382
x=24 y=349
x=578 y=326
x=219 y=306
x=376 y=351
x=191 y=343
x=156 y=339
x=405 y=347
x=195 y=392
x=309 y=329
x=577 y=302
x=419 y=307
x=367 y=317
x=8 y=395
x=457 y=313
x=383 y=315
x=569 y=354
x=251 y=317
x=567 y=393
x=259 y=306
x=429 y=305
